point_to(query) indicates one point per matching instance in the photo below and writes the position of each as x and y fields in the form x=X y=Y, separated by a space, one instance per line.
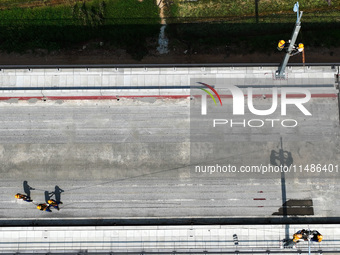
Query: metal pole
x=308 y=238
x=280 y=73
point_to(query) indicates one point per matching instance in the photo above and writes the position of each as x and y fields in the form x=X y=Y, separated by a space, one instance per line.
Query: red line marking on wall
x=94 y=97
x=151 y=96
x=259 y=199
x=287 y=96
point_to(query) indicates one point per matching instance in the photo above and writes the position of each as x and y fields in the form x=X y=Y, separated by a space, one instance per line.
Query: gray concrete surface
x=208 y=239
x=131 y=159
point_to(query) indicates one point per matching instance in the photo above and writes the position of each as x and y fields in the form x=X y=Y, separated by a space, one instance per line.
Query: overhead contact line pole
x=280 y=73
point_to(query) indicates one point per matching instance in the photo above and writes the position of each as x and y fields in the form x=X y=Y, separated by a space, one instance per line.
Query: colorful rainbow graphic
x=213 y=90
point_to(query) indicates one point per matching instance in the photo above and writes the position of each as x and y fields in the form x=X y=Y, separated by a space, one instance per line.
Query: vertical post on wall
x=303 y=57
x=257 y=10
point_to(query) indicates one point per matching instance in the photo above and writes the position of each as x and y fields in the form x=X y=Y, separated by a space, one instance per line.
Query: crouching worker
x=23 y=197
x=54 y=203
x=44 y=207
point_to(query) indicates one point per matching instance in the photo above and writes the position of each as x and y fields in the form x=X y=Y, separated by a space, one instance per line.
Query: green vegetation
x=116 y=11
x=194 y=25
x=241 y=38
x=6 y=4
x=225 y=9
x=202 y=25
x=125 y=24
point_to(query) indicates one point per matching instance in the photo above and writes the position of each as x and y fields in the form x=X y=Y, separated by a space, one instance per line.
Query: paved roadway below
x=131 y=159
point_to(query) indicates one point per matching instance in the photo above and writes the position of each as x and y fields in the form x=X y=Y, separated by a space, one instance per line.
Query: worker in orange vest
x=44 y=207
x=54 y=203
x=23 y=197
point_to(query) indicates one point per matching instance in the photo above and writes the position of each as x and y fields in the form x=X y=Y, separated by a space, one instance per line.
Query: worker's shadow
x=27 y=188
x=56 y=194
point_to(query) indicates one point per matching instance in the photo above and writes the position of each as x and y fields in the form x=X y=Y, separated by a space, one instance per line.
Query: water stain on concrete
x=33 y=100
x=13 y=101
x=147 y=99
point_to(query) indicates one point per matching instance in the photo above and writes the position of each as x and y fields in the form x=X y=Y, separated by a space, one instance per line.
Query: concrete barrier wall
x=208 y=239
x=162 y=82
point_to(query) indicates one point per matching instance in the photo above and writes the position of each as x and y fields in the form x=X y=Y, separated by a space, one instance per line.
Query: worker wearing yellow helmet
x=317 y=237
x=54 y=203
x=297 y=49
x=23 y=197
x=44 y=207
x=297 y=237
x=301 y=47
x=281 y=45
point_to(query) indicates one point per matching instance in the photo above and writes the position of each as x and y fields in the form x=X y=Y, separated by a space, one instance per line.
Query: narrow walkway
x=161 y=239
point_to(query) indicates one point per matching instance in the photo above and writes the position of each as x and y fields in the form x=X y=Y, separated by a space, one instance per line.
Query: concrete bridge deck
x=132 y=158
